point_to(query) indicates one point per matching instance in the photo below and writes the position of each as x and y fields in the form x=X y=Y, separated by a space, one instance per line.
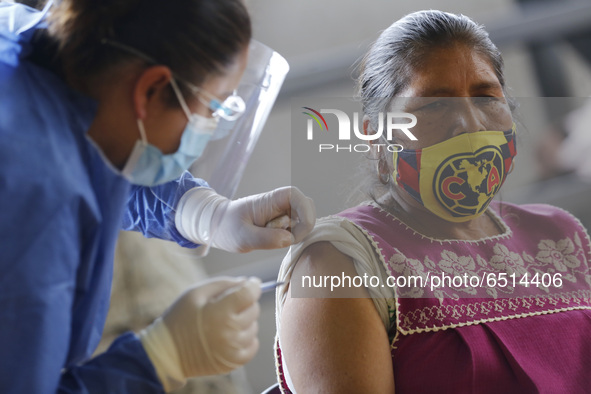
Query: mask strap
x=140 y=126
x=135 y=152
x=179 y=97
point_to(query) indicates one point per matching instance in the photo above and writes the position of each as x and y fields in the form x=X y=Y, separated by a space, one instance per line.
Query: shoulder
x=335 y=251
x=334 y=239
x=321 y=270
x=43 y=127
x=323 y=257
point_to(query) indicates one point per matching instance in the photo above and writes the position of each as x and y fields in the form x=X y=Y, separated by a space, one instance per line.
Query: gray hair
x=386 y=69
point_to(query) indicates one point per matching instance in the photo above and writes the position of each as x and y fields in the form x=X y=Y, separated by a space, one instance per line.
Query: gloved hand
x=211 y=329
x=205 y=217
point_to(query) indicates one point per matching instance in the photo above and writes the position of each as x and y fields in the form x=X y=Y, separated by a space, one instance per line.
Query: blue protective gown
x=61 y=208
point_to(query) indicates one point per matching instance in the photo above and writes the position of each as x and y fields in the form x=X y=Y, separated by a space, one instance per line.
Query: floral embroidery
x=409 y=268
x=551 y=257
x=560 y=254
x=406 y=266
x=506 y=261
x=456 y=265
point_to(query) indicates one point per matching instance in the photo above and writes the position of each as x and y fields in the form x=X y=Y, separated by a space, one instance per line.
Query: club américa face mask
x=457 y=179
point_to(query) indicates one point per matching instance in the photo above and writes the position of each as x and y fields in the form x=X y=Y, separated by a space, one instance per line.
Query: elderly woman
x=500 y=301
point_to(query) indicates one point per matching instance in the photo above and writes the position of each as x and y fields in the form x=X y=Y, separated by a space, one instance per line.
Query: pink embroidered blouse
x=505 y=314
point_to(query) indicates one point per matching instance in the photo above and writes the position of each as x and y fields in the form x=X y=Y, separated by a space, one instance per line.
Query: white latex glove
x=271 y=220
x=211 y=329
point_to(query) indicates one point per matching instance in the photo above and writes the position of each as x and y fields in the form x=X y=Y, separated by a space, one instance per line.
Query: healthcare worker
x=103 y=105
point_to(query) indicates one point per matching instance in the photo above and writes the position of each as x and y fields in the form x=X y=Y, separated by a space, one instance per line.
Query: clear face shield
x=225 y=157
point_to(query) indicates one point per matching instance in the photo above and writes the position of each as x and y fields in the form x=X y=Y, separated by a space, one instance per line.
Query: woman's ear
x=375 y=147
x=367 y=130
x=150 y=90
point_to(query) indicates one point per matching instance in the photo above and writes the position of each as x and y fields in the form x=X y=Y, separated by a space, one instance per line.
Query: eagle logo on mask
x=466 y=183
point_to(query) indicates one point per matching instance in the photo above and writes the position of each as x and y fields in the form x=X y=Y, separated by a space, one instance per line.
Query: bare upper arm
x=334 y=345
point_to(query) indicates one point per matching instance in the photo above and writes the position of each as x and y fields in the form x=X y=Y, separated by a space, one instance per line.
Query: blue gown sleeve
x=123 y=368
x=150 y=210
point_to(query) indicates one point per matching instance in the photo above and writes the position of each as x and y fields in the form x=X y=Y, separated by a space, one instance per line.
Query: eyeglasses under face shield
x=228 y=109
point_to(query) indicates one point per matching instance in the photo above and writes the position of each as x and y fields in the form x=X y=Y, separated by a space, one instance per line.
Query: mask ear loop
x=179 y=96
x=135 y=155
x=381 y=165
x=140 y=125
x=383 y=176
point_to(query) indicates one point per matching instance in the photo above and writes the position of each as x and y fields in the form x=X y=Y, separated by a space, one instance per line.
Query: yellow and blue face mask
x=457 y=179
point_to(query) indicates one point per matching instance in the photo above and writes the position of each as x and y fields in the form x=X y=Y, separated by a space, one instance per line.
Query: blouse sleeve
x=349 y=240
